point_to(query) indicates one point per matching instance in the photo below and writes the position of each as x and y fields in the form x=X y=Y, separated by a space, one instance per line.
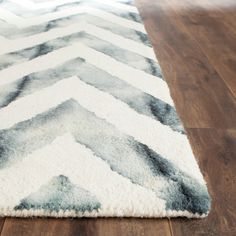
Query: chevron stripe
x=13 y=45
x=106 y=107
x=23 y=103
x=147 y=83
x=23 y=23
x=144 y=104
x=36 y=39
x=15 y=33
x=35 y=6
x=41 y=63
x=10 y=17
x=118 y=5
x=120 y=54
x=50 y=4
x=139 y=79
x=2 y=39
x=120 y=41
x=78 y=155
x=116 y=113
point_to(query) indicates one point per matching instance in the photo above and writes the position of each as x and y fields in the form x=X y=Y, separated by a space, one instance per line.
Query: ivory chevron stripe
x=3 y=40
x=36 y=39
x=27 y=112
x=17 y=44
x=49 y=4
x=38 y=105
x=119 y=5
x=120 y=41
x=39 y=160
x=40 y=63
x=101 y=104
x=147 y=83
x=11 y=18
x=25 y=22
x=116 y=113
x=139 y=79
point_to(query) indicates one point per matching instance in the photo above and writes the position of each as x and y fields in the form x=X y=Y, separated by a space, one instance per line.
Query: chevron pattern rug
x=87 y=123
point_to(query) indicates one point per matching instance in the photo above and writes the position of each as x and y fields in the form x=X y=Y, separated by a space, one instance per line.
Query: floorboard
x=195 y=85
x=213 y=28
x=216 y=153
x=86 y=227
x=2 y=220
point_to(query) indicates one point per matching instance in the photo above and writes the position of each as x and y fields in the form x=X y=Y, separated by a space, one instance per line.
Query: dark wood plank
x=224 y=10
x=213 y=26
x=216 y=151
x=86 y=227
x=2 y=220
x=188 y=70
x=195 y=85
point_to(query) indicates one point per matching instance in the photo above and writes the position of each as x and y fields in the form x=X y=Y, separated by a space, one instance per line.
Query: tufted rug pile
x=87 y=123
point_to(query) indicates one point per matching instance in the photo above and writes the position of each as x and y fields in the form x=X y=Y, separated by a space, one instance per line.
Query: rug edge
x=95 y=214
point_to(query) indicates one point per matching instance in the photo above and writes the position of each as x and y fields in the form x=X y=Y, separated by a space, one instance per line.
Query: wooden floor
x=195 y=42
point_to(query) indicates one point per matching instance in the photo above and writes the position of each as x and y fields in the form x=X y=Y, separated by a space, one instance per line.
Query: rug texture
x=87 y=123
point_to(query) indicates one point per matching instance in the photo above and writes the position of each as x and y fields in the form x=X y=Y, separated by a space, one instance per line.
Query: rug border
x=94 y=214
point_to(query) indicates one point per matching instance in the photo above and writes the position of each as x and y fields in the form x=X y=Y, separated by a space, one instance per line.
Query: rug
x=87 y=124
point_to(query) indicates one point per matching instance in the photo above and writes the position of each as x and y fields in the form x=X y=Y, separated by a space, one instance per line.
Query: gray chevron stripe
x=60 y=194
x=125 y=56
x=12 y=32
x=119 y=150
x=25 y=13
x=138 y=100
x=19 y=10
x=121 y=13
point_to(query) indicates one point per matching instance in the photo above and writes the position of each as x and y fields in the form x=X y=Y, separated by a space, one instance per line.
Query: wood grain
x=2 y=220
x=171 y=33
x=195 y=85
x=215 y=33
x=216 y=153
x=86 y=227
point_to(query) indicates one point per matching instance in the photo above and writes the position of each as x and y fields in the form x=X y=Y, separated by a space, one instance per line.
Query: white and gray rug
x=87 y=123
